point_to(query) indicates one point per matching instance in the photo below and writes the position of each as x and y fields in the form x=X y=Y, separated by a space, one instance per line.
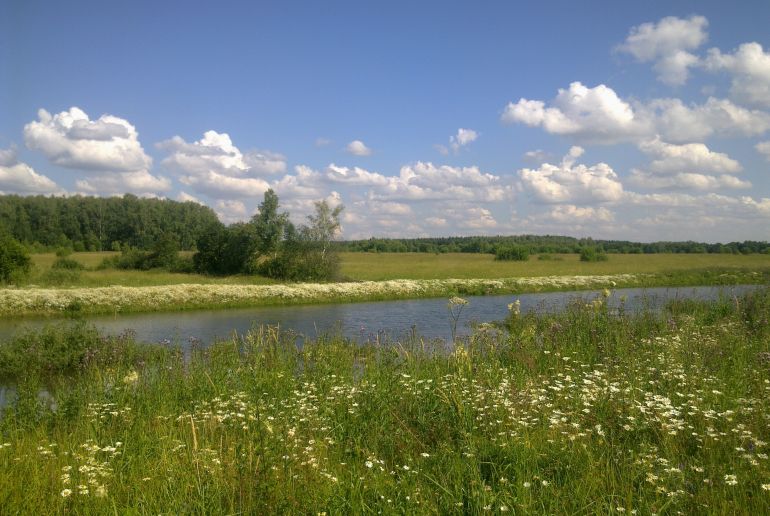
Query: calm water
x=363 y=321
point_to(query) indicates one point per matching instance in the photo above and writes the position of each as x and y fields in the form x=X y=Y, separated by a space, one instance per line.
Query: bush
x=63 y=252
x=514 y=253
x=60 y=276
x=592 y=254
x=15 y=264
x=67 y=264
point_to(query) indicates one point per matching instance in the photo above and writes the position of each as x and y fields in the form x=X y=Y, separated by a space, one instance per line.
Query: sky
x=640 y=121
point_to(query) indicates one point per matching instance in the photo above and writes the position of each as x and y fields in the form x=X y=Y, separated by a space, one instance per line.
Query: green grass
x=383 y=266
x=581 y=412
x=387 y=266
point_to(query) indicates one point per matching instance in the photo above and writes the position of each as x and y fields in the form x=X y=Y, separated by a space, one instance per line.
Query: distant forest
x=102 y=223
x=117 y=223
x=539 y=244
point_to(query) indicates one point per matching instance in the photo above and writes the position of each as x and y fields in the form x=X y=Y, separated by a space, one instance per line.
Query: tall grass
x=580 y=412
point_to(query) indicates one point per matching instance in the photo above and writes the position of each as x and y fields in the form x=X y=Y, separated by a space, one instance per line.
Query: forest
x=101 y=223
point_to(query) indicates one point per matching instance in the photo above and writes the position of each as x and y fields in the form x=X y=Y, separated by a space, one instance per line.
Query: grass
x=368 y=277
x=389 y=266
x=579 y=412
x=385 y=266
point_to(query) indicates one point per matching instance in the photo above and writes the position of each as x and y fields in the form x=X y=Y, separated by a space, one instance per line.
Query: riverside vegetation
x=585 y=411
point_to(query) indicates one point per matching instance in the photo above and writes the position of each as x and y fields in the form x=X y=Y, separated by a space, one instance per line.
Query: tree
x=15 y=263
x=324 y=225
x=269 y=226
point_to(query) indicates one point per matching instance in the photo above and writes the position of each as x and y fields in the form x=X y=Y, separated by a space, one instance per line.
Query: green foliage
x=63 y=252
x=515 y=253
x=15 y=263
x=592 y=254
x=269 y=227
x=67 y=264
x=570 y=413
x=95 y=223
x=66 y=349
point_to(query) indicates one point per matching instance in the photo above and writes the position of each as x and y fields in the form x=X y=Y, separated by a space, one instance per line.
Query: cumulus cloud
x=305 y=183
x=750 y=68
x=473 y=218
x=690 y=166
x=667 y=44
x=118 y=183
x=214 y=166
x=354 y=176
x=426 y=181
x=690 y=157
x=230 y=211
x=571 y=183
x=185 y=197
x=599 y=115
x=107 y=150
x=764 y=149
x=71 y=140
x=322 y=142
x=590 y=113
x=20 y=178
x=462 y=138
x=569 y=214
x=358 y=148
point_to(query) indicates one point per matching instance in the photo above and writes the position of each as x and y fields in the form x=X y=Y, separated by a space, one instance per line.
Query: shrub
x=63 y=252
x=514 y=253
x=67 y=264
x=15 y=263
x=592 y=254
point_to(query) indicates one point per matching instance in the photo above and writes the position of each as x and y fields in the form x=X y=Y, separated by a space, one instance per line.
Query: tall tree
x=269 y=226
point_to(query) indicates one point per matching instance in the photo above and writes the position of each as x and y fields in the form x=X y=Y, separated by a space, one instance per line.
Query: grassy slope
x=577 y=413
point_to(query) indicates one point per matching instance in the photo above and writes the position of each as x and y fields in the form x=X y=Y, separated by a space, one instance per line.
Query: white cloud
x=304 y=183
x=426 y=181
x=354 y=176
x=570 y=214
x=20 y=178
x=231 y=211
x=764 y=149
x=690 y=157
x=570 y=183
x=462 y=138
x=687 y=180
x=475 y=218
x=118 y=183
x=71 y=140
x=107 y=150
x=599 y=115
x=690 y=166
x=590 y=113
x=322 y=142
x=214 y=166
x=667 y=43
x=750 y=67
x=185 y=197
x=358 y=148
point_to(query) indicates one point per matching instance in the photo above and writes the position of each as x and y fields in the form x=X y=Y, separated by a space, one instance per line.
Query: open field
x=382 y=266
x=577 y=413
x=388 y=266
x=369 y=277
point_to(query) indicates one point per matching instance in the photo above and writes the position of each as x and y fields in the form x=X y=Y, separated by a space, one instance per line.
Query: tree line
x=101 y=223
x=540 y=244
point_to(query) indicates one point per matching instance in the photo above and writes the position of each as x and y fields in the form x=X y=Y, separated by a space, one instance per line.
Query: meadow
x=365 y=277
x=586 y=412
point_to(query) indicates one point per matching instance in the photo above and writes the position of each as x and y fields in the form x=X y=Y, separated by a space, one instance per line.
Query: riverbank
x=581 y=411
x=119 y=299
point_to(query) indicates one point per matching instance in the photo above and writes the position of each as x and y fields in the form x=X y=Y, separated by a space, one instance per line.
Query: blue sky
x=649 y=121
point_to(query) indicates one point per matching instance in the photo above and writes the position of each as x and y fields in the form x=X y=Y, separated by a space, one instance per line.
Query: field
x=389 y=266
x=583 y=412
x=366 y=277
